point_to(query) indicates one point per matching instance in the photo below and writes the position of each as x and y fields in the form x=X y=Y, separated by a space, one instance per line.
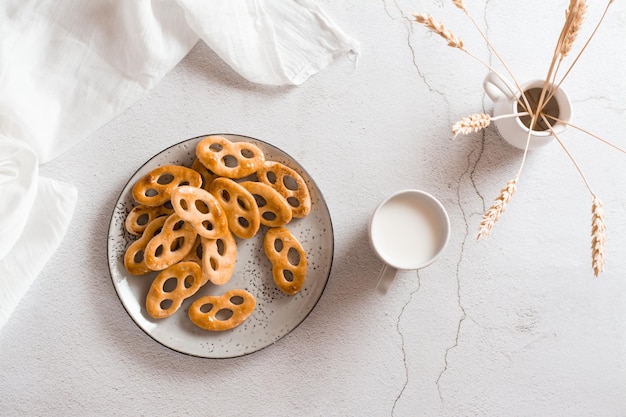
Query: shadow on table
x=205 y=63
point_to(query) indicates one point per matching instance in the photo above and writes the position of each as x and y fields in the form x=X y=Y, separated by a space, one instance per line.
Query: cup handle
x=496 y=88
x=385 y=277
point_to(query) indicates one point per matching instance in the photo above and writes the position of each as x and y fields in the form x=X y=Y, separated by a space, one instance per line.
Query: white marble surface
x=514 y=324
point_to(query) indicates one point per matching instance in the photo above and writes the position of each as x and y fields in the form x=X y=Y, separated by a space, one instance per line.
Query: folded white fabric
x=47 y=222
x=269 y=42
x=18 y=188
x=67 y=68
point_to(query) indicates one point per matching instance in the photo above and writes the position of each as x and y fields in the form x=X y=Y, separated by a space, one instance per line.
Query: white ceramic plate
x=275 y=315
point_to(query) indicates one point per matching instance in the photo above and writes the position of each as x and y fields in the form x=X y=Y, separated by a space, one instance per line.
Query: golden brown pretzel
x=171 y=245
x=134 y=258
x=229 y=159
x=218 y=258
x=288 y=259
x=201 y=210
x=171 y=287
x=155 y=188
x=289 y=184
x=140 y=216
x=206 y=312
x=207 y=175
x=240 y=207
x=274 y=209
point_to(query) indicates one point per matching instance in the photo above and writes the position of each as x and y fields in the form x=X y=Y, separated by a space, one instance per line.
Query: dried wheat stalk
x=606 y=9
x=568 y=153
x=428 y=21
x=598 y=227
x=598 y=236
x=606 y=142
x=471 y=124
x=460 y=5
x=478 y=121
x=495 y=211
x=525 y=105
x=579 y=9
x=573 y=15
x=455 y=42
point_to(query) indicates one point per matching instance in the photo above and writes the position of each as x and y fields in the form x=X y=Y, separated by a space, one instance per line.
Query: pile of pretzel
x=187 y=219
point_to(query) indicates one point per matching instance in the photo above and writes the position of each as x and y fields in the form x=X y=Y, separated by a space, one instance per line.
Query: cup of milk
x=408 y=230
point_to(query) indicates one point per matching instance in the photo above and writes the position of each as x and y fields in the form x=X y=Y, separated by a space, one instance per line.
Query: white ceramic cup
x=512 y=129
x=408 y=230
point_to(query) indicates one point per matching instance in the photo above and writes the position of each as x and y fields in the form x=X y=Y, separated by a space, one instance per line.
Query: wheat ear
x=499 y=206
x=579 y=11
x=606 y=9
x=428 y=21
x=598 y=236
x=471 y=124
x=598 y=227
x=495 y=211
x=478 y=121
x=437 y=27
x=460 y=5
x=570 y=18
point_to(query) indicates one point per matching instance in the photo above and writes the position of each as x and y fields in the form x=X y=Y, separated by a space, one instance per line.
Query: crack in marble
x=387 y=10
x=483 y=135
x=406 y=368
x=473 y=170
x=482 y=141
x=409 y=27
x=469 y=171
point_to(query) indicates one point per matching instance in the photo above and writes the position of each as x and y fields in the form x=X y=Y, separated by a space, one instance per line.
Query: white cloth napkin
x=68 y=67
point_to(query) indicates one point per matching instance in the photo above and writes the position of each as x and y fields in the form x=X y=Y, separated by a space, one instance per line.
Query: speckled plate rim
x=130 y=306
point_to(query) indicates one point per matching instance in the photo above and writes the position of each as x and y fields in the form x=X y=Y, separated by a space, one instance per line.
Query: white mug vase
x=506 y=101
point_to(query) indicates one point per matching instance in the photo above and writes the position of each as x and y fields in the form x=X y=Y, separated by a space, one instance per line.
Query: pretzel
x=218 y=258
x=166 y=296
x=155 y=188
x=229 y=159
x=140 y=216
x=134 y=258
x=240 y=207
x=171 y=245
x=288 y=259
x=207 y=175
x=201 y=210
x=211 y=312
x=274 y=209
x=289 y=184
